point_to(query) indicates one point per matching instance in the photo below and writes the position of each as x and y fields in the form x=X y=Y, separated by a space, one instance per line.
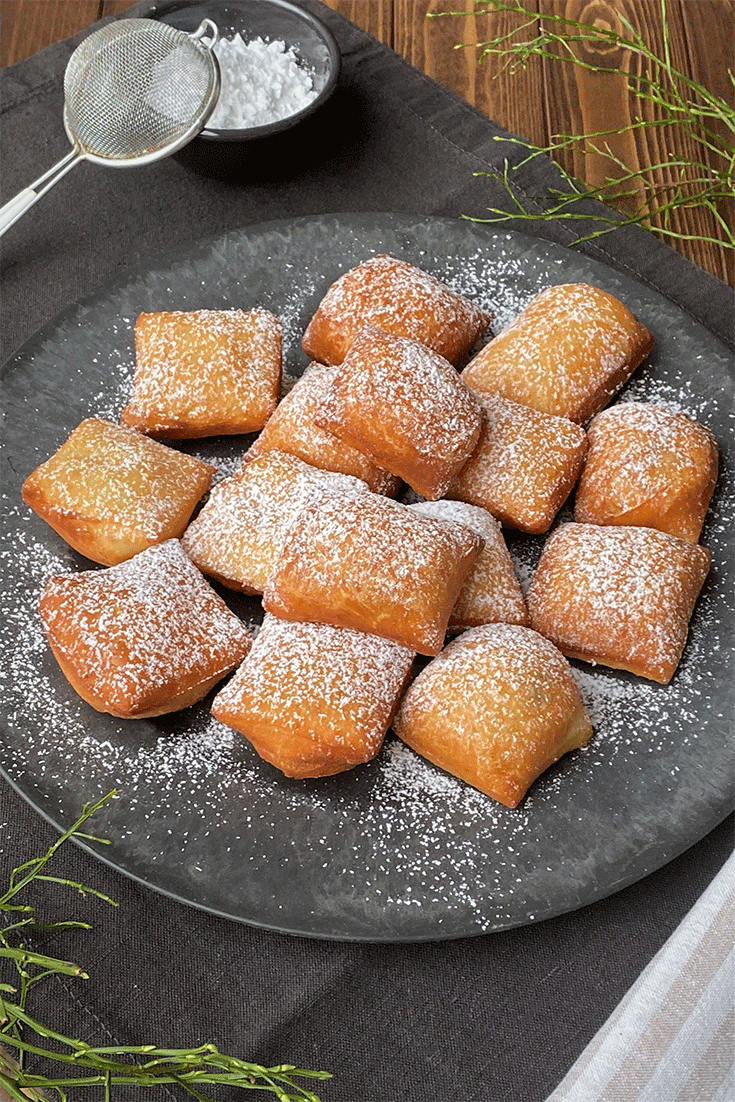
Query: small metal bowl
x=228 y=152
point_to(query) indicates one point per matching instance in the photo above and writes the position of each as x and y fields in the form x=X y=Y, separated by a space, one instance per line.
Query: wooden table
x=547 y=98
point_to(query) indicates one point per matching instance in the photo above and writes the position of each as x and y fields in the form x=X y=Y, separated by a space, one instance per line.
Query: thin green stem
x=681 y=103
x=108 y=1067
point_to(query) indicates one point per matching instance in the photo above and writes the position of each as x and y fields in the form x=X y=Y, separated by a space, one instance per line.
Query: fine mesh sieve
x=134 y=91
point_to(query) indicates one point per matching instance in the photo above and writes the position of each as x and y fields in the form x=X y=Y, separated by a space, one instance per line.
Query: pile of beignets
x=368 y=515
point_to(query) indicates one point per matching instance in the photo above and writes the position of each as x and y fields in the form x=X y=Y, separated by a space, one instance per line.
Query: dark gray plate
x=395 y=850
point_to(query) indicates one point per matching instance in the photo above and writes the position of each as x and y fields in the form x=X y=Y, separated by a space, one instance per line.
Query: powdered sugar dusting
x=135 y=487
x=331 y=691
x=649 y=465
x=405 y=405
x=621 y=595
x=292 y=429
x=198 y=372
x=491 y=592
x=568 y=352
x=140 y=632
x=398 y=298
x=240 y=530
x=372 y=564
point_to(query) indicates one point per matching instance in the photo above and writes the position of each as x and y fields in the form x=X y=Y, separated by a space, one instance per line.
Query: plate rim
x=168 y=260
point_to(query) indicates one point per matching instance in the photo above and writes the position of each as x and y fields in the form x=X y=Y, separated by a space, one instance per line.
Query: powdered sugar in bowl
x=279 y=65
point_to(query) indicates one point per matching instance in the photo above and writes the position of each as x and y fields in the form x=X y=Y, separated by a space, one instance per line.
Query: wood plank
x=373 y=16
x=114 y=7
x=581 y=102
x=28 y=25
x=709 y=27
x=448 y=47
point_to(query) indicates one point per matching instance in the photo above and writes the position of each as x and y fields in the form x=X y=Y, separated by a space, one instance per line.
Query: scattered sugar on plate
x=262 y=82
x=425 y=842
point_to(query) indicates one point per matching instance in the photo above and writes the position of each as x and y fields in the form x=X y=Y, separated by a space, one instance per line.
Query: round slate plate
x=395 y=850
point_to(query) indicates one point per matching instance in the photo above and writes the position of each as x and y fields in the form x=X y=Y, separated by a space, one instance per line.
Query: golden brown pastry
x=618 y=596
x=524 y=467
x=496 y=708
x=491 y=592
x=204 y=372
x=313 y=699
x=143 y=638
x=292 y=429
x=406 y=408
x=650 y=466
x=237 y=535
x=110 y=492
x=398 y=298
x=568 y=352
x=373 y=565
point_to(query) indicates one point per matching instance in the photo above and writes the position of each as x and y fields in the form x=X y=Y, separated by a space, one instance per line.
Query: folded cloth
x=671 y=1038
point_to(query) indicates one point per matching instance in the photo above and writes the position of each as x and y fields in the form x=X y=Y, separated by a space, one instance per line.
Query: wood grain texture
x=373 y=16
x=709 y=27
x=581 y=102
x=29 y=25
x=449 y=48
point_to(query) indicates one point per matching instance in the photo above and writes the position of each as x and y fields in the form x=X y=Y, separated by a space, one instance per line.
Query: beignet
x=648 y=466
x=204 y=372
x=524 y=467
x=398 y=298
x=568 y=352
x=238 y=533
x=314 y=699
x=373 y=565
x=292 y=429
x=406 y=408
x=142 y=638
x=496 y=708
x=618 y=596
x=110 y=492
x=491 y=592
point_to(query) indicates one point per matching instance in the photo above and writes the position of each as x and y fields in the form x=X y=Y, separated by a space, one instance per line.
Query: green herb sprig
x=706 y=181
x=83 y=1065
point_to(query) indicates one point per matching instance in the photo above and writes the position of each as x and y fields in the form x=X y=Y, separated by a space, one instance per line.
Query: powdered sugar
x=398 y=298
x=262 y=82
x=239 y=532
x=405 y=407
x=138 y=634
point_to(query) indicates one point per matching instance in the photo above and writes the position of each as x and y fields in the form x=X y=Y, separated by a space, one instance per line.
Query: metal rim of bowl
x=159 y=10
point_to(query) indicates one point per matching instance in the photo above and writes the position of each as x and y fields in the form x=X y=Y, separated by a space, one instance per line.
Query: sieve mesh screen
x=138 y=88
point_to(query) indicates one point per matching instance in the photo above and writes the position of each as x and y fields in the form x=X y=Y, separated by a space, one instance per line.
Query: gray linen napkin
x=672 y=1038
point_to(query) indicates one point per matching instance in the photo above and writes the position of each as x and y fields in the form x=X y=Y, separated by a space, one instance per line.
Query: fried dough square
x=373 y=565
x=406 y=408
x=399 y=298
x=312 y=699
x=567 y=353
x=491 y=592
x=237 y=535
x=292 y=429
x=142 y=638
x=110 y=492
x=496 y=708
x=204 y=372
x=524 y=467
x=648 y=466
x=618 y=596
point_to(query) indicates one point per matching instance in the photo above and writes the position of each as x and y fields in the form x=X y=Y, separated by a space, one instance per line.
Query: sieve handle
x=14 y=208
